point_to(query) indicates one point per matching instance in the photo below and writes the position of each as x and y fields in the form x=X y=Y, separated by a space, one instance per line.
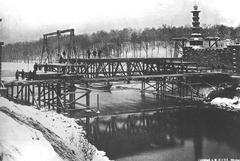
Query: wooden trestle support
x=178 y=87
x=57 y=95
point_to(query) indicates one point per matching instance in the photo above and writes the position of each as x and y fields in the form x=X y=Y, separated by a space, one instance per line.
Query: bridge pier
x=51 y=94
x=71 y=90
x=171 y=86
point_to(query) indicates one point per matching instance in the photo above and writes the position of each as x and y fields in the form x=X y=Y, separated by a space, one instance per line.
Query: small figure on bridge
x=34 y=74
x=61 y=59
x=88 y=53
x=45 y=68
x=99 y=53
x=94 y=53
x=35 y=67
x=23 y=74
x=64 y=70
x=30 y=75
x=64 y=54
x=17 y=75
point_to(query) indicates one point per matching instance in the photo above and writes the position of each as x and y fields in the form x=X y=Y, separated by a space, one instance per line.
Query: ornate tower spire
x=196 y=36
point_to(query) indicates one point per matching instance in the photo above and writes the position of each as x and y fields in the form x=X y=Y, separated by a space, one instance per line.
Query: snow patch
x=19 y=142
x=66 y=128
x=227 y=102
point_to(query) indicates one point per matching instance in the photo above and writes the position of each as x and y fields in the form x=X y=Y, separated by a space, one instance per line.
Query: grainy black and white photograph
x=123 y=80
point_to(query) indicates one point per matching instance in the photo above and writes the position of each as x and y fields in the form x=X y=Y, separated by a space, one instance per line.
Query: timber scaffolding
x=64 y=87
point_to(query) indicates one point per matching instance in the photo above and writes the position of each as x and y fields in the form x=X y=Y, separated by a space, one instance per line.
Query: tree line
x=117 y=43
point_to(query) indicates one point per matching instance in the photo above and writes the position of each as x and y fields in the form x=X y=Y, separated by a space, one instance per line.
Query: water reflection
x=192 y=133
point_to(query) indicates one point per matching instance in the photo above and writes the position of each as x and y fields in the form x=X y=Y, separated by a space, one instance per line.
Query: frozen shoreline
x=30 y=134
x=227 y=103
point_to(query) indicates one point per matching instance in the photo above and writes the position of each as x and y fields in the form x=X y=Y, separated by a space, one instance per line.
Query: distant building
x=196 y=38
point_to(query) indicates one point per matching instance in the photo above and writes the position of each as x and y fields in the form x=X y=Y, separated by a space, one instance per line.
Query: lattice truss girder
x=108 y=68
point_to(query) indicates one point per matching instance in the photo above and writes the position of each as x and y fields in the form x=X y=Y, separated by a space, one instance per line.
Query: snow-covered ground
x=28 y=134
x=233 y=103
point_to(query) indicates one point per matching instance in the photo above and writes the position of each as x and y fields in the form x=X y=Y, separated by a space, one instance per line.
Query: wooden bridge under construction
x=65 y=87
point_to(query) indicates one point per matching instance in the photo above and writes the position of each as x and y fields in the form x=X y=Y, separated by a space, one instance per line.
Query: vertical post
x=88 y=99
x=113 y=74
x=143 y=87
x=33 y=94
x=128 y=71
x=98 y=109
x=64 y=94
x=44 y=94
x=52 y=87
x=12 y=90
x=39 y=95
x=164 y=87
x=17 y=90
x=7 y=92
x=22 y=88
x=157 y=88
x=49 y=95
x=191 y=94
x=109 y=69
x=88 y=126
x=28 y=97
x=72 y=96
x=59 y=96
x=1 y=44
x=25 y=93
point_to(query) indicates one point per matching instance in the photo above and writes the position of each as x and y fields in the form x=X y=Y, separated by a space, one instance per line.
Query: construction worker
x=45 y=68
x=99 y=53
x=34 y=74
x=88 y=54
x=30 y=75
x=23 y=76
x=64 y=70
x=61 y=59
x=94 y=53
x=17 y=75
x=64 y=54
x=35 y=67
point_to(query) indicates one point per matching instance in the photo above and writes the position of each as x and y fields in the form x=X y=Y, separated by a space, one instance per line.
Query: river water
x=187 y=132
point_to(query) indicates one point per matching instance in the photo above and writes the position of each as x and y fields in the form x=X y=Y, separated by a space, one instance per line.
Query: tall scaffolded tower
x=196 y=38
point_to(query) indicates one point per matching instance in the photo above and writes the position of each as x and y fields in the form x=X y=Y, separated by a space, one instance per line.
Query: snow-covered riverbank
x=27 y=134
x=227 y=103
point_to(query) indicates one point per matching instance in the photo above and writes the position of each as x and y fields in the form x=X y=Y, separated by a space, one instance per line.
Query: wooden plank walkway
x=149 y=77
x=80 y=77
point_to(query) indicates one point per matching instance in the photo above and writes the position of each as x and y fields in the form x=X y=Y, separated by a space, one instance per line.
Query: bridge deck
x=149 y=77
x=81 y=79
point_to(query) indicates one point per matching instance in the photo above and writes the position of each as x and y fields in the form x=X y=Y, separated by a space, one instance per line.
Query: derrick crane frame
x=58 y=33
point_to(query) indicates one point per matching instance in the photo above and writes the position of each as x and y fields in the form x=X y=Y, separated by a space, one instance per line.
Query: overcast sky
x=25 y=20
